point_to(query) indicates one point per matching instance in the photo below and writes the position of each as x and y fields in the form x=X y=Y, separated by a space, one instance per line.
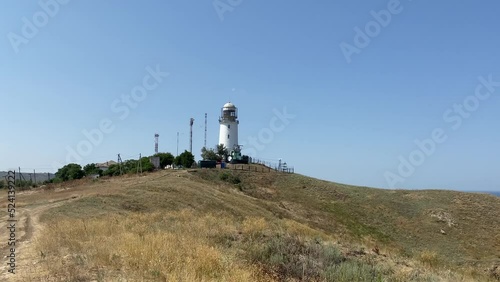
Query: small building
x=105 y=166
x=94 y=176
x=155 y=161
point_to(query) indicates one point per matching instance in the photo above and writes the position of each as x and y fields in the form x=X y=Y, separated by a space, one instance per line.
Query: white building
x=229 y=126
x=105 y=166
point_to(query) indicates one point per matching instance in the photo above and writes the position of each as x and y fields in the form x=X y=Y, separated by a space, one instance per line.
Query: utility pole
x=191 y=122
x=139 y=164
x=120 y=164
x=177 y=144
x=34 y=174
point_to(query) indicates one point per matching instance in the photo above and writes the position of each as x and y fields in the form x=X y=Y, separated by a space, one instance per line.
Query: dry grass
x=254 y=227
x=189 y=246
x=429 y=258
x=201 y=226
x=175 y=247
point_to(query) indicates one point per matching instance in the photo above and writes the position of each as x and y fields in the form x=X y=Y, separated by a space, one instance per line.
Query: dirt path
x=28 y=228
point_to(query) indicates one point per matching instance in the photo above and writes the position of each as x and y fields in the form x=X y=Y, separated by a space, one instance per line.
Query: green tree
x=210 y=155
x=130 y=166
x=91 y=169
x=186 y=159
x=113 y=170
x=147 y=165
x=70 y=172
x=165 y=159
x=222 y=152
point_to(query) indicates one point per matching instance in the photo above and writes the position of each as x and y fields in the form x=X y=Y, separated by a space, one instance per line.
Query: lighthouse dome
x=229 y=105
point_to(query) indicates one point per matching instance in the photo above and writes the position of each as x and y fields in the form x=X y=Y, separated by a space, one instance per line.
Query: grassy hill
x=212 y=225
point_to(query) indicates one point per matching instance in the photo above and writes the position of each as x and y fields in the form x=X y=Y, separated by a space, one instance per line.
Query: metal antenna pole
x=206 y=124
x=191 y=122
x=157 y=136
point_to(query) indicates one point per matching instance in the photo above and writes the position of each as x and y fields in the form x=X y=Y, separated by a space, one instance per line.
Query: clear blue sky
x=352 y=120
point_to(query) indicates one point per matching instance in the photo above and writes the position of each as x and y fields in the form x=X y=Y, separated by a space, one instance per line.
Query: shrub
x=224 y=176
x=429 y=258
x=290 y=258
x=352 y=271
x=235 y=179
x=230 y=178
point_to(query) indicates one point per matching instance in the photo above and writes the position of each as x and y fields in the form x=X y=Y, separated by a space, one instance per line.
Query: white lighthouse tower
x=229 y=126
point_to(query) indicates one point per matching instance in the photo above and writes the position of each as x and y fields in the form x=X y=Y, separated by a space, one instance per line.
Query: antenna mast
x=157 y=136
x=191 y=122
x=206 y=123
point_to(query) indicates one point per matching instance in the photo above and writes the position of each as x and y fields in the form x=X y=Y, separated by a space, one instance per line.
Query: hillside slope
x=211 y=225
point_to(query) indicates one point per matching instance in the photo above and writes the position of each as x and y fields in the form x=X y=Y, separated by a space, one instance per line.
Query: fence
x=280 y=166
x=264 y=166
x=28 y=179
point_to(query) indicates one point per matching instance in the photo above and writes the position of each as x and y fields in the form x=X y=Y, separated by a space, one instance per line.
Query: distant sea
x=497 y=193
